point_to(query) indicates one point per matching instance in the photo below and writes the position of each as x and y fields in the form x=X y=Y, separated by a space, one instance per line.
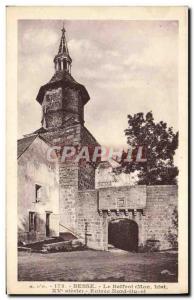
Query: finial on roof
x=63 y=28
x=63 y=60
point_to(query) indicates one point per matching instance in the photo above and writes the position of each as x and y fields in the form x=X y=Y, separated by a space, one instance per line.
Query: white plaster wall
x=34 y=168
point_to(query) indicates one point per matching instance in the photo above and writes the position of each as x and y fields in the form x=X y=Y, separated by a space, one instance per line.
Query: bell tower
x=62 y=98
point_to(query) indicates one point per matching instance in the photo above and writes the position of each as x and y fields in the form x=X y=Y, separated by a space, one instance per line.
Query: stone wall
x=86 y=177
x=90 y=223
x=72 y=101
x=87 y=170
x=161 y=201
x=68 y=178
x=125 y=197
x=59 y=103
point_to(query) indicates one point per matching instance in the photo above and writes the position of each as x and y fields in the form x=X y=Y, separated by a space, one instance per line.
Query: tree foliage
x=159 y=143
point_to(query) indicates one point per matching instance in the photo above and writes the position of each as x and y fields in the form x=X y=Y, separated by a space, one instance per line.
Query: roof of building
x=40 y=130
x=63 y=78
x=24 y=143
x=63 y=48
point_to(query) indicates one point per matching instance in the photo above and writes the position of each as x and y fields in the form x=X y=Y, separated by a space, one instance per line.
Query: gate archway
x=123 y=234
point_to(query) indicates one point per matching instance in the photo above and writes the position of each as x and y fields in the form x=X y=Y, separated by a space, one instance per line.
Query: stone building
x=57 y=197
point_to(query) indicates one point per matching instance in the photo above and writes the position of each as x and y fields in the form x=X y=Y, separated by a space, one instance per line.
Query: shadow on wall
x=123 y=234
x=35 y=227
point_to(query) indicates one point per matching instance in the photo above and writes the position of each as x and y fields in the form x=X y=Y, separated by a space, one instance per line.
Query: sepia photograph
x=99 y=150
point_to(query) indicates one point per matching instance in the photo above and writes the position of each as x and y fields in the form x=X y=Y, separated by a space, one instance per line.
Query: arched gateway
x=123 y=234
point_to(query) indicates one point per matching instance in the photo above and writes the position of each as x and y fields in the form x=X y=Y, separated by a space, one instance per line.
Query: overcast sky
x=126 y=66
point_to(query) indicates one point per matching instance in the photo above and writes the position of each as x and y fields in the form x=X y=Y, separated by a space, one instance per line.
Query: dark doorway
x=47 y=224
x=123 y=234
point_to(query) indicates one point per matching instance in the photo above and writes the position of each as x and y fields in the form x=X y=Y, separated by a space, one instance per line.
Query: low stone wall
x=65 y=246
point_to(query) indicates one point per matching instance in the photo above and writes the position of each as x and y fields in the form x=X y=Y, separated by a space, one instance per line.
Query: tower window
x=59 y=65
x=64 y=65
x=38 y=192
x=32 y=221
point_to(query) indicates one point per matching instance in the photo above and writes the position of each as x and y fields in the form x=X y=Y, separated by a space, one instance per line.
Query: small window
x=121 y=202
x=38 y=192
x=32 y=221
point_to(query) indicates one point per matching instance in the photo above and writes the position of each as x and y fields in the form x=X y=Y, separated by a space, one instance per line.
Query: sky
x=126 y=66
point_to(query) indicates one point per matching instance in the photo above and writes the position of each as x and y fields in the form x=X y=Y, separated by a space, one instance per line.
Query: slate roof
x=63 y=79
x=24 y=143
x=63 y=49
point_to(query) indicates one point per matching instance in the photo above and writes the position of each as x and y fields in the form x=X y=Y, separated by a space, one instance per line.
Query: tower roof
x=63 y=48
x=63 y=79
x=63 y=44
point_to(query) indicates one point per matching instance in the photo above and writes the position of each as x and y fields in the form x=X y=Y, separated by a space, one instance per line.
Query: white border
x=4 y=3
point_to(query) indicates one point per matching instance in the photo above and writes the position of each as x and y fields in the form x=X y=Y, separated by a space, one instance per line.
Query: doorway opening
x=123 y=234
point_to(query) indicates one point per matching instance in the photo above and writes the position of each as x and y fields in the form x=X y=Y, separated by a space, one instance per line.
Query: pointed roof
x=63 y=79
x=63 y=48
x=24 y=143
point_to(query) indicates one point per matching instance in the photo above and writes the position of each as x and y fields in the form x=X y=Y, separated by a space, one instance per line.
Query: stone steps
x=62 y=243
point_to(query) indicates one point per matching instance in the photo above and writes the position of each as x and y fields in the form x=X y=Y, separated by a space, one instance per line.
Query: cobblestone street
x=98 y=266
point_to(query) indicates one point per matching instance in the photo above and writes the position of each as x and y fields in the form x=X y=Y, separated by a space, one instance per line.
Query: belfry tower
x=62 y=100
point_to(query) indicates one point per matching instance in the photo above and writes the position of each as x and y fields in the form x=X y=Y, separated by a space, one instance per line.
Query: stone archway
x=123 y=234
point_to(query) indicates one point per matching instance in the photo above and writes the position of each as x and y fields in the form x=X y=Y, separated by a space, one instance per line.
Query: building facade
x=57 y=196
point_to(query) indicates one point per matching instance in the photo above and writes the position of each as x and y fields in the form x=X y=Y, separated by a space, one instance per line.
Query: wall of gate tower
x=73 y=176
x=154 y=219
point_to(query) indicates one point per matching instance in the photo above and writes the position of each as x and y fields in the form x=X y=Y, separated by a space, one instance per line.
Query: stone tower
x=62 y=100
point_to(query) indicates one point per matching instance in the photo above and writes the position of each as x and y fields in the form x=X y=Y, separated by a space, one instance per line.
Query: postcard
x=97 y=143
